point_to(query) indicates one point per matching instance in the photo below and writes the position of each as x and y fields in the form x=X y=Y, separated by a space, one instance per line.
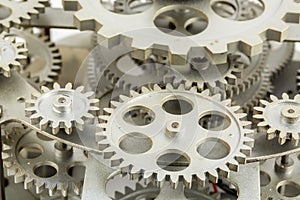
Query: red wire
x=215 y=187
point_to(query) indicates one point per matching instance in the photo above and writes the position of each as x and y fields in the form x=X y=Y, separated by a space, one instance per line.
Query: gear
x=42 y=163
x=11 y=54
x=279 y=57
x=156 y=23
x=151 y=192
x=45 y=60
x=113 y=67
x=62 y=108
x=251 y=95
x=147 y=134
x=13 y=13
x=280 y=117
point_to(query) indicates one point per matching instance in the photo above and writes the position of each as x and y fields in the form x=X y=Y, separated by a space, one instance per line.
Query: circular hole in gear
x=30 y=151
x=77 y=172
x=288 y=189
x=139 y=116
x=5 y=12
x=181 y=20
x=213 y=149
x=135 y=143
x=45 y=170
x=214 y=121
x=127 y=7
x=265 y=179
x=225 y=9
x=173 y=161
x=177 y=105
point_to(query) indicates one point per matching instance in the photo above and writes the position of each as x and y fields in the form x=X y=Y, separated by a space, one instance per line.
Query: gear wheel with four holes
x=247 y=36
x=280 y=118
x=62 y=108
x=11 y=54
x=174 y=134
x=16 y=12
x=45 y=59
x=42 y=163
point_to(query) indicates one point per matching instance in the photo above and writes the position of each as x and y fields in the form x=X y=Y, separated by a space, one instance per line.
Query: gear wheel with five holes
x=173 y=134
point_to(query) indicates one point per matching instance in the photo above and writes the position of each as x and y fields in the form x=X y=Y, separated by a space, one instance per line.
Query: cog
x=45 y=59
x=11 y=54
x=250 y=97
x=113 y=68
x=17 y=12
x=179 y=37
x=151 y=192
x=279 y=57
x=42 y=163
x=280 y=117
x=62 y=108
x=146 y=134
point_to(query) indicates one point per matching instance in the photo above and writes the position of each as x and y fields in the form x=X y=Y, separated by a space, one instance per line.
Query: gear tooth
x=64 y=189
x=252 y=45
x=224 y=171
x=123 y=98
x=200 y=178
x=233 y=165
x=19 y=176
x=262 y=124
x=282 y=137
x=77 y=188
x=156 y=87
x=134 y=93
x=285 y=96
x=39 y=187
x=28 y=182
x=44 y=124
x=56 y=86
x=115 y=103
x=246 y=150
x=212 y=175
x=205 y=93
x=174 y=180
x=264 y=102
x=79 y=123
x=295 y=139
x=145 y=90
x=259 y=109
x=118 y=195
x=241 y=158
x=52 y=188
x=297 y=98
x=79 y=89
x=89 y=94
x=128 y=190
x=135 y=170
x=273 y=98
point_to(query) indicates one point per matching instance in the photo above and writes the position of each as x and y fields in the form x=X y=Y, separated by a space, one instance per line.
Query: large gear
x=62 y=108
x=166 y=141
x=16 y=12
x=11 y=54
x=45 y=59
x=155 y=24
x=280 y=118
x=42 y=163
x=151 y=192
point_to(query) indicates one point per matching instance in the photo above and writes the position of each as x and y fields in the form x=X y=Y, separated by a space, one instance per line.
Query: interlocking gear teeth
x=62 y=108
x=280 y=118
x=43 y=153
x=273 y=24
x=12 y=53
x=20 y=12
x=40 y=47
x=127 y=162
x=253 y=93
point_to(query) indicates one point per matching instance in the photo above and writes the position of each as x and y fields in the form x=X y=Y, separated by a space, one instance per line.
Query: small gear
x=156 y=23
x=280 y=117
x=11 y=54
x=149 y=191
x=62 y=108
x=17 y=12
x=250 y=97
x=42 y=163
x=147 y=133
x=45 y=59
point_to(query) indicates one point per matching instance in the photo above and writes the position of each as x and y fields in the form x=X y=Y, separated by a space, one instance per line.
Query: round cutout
x=46 y=170
x=214 y=121
x=77 y=172
x=31 y=151
x=5 y=12
x=135 y=143
x=139 y=116
x=177 y=106
x=173 y=161
x=265 y=179
x=213 y=149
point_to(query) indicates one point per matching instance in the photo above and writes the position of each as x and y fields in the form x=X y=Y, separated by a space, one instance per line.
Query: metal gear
x=11 y=54
x=45 y=59
x=15 y=13
x=164 y=115
x=280 y=118
x=279 y=57
x=151 y=192
x=42 y=163
x=62 y=108
x=113 y=69
x=154 y=23
x=250 y=96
